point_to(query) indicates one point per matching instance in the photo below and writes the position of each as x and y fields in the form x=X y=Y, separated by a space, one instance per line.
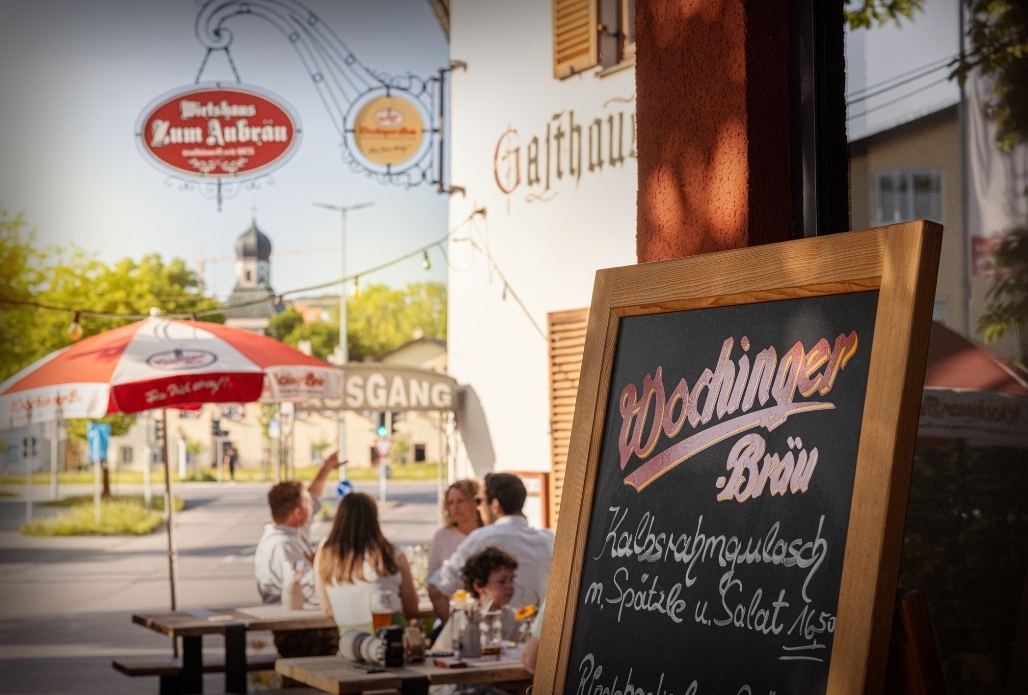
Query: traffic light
x=382 y=430
x=215 y=428
x=158 y=430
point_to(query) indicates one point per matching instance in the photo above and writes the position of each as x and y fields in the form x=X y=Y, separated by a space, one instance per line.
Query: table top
x=337 y=675
x=202 y=621
x=271 y=616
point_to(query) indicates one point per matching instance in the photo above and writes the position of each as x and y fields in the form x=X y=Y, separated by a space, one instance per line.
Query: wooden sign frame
x=901 y=261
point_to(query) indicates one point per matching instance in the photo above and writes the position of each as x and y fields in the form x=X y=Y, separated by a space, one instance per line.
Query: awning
x=971 y=394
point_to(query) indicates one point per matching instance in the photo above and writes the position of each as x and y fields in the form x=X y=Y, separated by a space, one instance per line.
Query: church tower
x=252 y=303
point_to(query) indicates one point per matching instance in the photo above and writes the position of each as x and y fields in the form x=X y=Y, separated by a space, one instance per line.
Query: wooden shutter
x=575 y=37
x=566 y=331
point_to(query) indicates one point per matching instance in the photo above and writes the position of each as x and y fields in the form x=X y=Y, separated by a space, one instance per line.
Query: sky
x=76 y=76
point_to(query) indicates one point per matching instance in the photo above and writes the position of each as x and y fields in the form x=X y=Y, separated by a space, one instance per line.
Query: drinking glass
x=381 y=608
x=491 y=631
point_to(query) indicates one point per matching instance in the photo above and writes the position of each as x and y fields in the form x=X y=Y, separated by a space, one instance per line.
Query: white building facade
x=548 y=168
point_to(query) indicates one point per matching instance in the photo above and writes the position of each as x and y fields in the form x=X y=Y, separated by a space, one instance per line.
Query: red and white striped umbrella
x=160 y=363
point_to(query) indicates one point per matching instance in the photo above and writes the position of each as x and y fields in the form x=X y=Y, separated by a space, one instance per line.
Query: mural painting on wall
x=568 y=145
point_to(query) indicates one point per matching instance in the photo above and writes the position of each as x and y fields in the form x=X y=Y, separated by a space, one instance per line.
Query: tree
x=382 y=319
x=288 y=326
x=20 y=280
x=866 y=13
x=997 y=31
x=77 y=281
x=379 y=319
x=1007 y=299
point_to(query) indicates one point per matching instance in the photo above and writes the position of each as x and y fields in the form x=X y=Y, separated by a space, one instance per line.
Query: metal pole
x=439 y=472
x=96 y=492
x=965 y=217
x=169 y=514
x=28 y=480
x=343 y=349
x=147 y=486
x=55 y=447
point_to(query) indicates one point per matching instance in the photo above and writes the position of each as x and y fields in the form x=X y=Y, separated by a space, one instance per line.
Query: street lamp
x=343 y=209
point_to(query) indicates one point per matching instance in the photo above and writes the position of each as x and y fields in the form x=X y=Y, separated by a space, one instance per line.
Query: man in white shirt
x=507 y=529
x=286 y=539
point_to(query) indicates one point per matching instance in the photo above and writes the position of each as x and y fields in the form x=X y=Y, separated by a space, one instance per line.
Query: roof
x=861 y=145
x=259 y=304
x=253 y=243
x=956 y=363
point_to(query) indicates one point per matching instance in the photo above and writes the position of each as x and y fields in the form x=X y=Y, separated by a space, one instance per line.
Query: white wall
x=547 y=243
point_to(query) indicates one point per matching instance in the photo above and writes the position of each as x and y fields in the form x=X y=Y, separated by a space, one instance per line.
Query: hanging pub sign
x=217 y=131
x=738 y=470
x=388 y=130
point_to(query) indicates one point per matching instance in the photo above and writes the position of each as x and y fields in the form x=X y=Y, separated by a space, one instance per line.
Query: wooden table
x=233 y=623
x=334 y=674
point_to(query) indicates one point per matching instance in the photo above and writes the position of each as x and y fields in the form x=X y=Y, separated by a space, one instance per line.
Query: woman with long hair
x=460 y=517
x=355 y=561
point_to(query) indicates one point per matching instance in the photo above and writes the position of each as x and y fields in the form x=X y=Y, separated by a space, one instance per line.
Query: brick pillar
x=712 y=92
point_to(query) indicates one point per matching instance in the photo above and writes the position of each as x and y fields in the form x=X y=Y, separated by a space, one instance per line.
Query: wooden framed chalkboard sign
x=738 y=471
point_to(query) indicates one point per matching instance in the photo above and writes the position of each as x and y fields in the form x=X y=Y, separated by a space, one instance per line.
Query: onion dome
x=253 y=243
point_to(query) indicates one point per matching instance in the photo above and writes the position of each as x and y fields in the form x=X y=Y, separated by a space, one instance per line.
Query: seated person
x=355 y=561
x=286 y=539
x=460 y=517
x=489 y=577
x=507 y=529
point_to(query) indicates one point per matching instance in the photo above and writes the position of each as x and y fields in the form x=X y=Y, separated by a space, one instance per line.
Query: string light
x=75 y=329
x=426 y=264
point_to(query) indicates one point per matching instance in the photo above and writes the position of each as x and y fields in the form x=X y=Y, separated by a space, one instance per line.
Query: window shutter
x=566 y=345
x=575 y=37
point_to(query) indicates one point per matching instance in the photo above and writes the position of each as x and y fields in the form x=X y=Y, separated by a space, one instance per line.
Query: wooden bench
x=169 y=669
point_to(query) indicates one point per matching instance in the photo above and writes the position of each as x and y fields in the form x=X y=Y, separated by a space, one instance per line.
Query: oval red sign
x=218 y=132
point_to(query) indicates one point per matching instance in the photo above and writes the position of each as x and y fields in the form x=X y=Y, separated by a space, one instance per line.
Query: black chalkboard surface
x=719 y=518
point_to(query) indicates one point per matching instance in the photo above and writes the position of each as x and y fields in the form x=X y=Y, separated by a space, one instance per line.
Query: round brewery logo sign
x=219 y=131
x=388 y=130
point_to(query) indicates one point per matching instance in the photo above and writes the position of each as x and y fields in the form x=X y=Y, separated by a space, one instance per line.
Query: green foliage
x=964 y=546
x=120 y=425
x=866 y=13
x=998 y=35
x=381 y=319
x=1007 y=300
x=117 y=517
x=289 y=327
x=71 y=278
x=20 y=279
x=156 y=502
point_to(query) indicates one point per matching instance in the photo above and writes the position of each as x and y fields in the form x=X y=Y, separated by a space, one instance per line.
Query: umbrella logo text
x=177 y=360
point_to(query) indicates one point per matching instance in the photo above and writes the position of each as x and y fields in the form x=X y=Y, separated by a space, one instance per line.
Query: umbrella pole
x=169 y=510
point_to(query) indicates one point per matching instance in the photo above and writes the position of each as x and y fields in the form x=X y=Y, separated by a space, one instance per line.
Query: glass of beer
x=381 y=608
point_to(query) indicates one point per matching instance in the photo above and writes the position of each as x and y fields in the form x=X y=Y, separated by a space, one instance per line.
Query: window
x=419 y=453
x=901 y=196
x=587 y=33
x=126 y=455
x=316 y=454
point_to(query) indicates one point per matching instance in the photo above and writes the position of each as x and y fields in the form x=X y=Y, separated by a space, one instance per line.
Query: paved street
x=65 y=603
